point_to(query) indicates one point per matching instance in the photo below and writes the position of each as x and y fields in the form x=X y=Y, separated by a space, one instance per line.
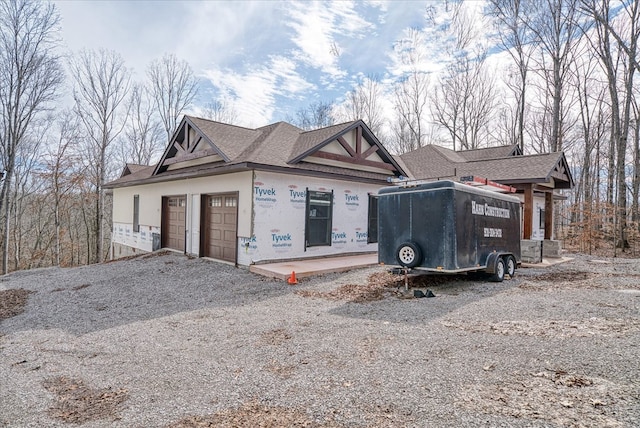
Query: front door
x=220 y=224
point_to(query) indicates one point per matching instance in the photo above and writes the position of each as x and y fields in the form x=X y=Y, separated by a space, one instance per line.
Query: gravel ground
x=169 y=341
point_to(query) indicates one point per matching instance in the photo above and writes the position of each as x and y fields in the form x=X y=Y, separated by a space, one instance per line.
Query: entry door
x=220 y=226
x=174 y=209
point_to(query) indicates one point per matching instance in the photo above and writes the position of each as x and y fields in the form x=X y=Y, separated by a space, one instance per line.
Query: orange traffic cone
x=292 y=279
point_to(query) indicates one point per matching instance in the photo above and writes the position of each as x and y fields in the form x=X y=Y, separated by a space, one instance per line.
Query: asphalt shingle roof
x=433 y=162
x=284 y=146
x=276 y=145
x=230 y=139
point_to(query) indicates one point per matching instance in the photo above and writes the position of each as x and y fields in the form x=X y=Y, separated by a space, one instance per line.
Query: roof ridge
x=438 y=149
x=517 y=157
x=486 y=148
x=265 y=132
x=222 y=123
x=324 y=128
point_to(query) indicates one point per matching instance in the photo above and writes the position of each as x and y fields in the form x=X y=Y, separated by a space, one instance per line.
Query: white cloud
x=220 y=32
x=202 y=33
x=254 y=92
x=317 y=28
x=291 y=82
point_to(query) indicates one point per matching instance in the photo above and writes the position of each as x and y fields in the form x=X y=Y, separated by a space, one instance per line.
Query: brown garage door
x=173 y=221
x=220 y=222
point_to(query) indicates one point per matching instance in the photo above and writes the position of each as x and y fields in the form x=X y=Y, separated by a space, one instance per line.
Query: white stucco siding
x=151 y=207
x=279 y=203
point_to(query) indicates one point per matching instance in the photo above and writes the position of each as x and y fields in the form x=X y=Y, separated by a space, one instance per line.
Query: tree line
x=552 y=75
x=56 y=161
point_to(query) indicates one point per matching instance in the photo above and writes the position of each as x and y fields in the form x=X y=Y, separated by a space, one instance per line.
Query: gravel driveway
x=169 y=341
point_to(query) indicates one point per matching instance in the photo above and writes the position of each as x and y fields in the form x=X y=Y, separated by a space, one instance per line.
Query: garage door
x=220 y=222
x=173 y=221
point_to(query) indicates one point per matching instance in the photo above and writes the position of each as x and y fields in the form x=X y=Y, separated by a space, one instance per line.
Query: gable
x=131 y=168
x=189 y=146
x=561 y=173
x=354 y=147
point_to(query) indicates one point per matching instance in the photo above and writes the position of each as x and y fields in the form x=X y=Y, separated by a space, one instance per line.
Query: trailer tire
x=498 y=275
x=511 y=266
x=409 y=254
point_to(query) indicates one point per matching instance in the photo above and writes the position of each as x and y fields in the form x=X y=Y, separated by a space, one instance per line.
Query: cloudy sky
x=269 y=58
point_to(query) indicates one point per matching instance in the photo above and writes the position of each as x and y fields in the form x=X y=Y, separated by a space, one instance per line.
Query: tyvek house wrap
x=279 y=209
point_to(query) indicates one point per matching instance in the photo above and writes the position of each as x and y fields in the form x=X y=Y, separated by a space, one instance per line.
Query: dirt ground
x=551 y=347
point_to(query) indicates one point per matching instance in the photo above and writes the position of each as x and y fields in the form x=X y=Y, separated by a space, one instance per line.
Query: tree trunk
x=5 y=202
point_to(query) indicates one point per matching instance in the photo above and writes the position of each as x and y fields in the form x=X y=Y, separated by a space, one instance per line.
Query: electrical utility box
x=449 y=227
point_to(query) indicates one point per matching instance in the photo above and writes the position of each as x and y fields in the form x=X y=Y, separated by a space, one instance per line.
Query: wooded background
x=562 y=79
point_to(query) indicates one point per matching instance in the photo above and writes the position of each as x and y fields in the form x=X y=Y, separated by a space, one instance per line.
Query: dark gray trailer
x=449 y=227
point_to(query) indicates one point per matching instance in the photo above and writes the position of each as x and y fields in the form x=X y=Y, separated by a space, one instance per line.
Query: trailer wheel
x=511 y=266
x=409 y=254
x=498 y=275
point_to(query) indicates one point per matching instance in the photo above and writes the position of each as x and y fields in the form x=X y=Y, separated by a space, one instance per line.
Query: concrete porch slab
x=546 y=262
x=310 y=267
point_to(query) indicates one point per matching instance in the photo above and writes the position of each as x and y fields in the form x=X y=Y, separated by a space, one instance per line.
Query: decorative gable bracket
x=365 y=150
x=188 y=143
x=561 y=174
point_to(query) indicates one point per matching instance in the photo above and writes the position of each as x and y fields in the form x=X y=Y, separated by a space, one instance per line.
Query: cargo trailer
x=449 y=227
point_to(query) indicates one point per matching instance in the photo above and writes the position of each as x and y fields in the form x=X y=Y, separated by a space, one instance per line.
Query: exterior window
x=136 y=213
x=541 y=219
x=319 y=217
x=215 y=201
x=372 y=222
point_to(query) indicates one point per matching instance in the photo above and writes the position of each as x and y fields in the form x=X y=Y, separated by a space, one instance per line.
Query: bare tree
x=465 y=101
x=318 y=115
x=410 y=95
x=593 y=115
x=516 y=38
x=220 y=111
x=621 y=98
x=602 y=17
x=556 y=33
x=173 y=88
x=143 y=132
x=635 y=185
x=364 y=102
x=63 y=171
x=27 y=228
x=30 y=75
x=101 y=83
x=410 y=105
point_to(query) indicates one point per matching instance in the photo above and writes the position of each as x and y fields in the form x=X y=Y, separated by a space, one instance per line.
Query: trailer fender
x=492 y=262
